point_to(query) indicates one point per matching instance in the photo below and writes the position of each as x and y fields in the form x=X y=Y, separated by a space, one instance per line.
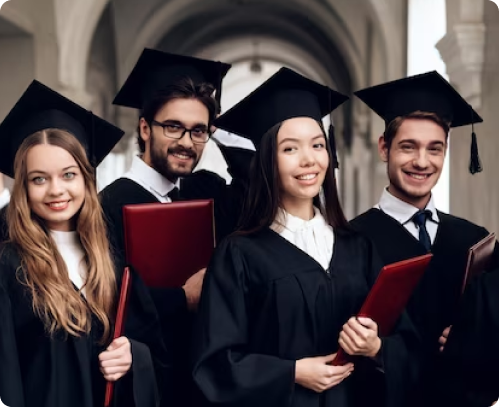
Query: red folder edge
x=120 y=323
x=342 y=357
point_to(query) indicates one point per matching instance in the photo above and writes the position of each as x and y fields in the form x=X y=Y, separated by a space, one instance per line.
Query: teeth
x=58 y=204
x=307 y=176
x=182 y=156
x=417 y=176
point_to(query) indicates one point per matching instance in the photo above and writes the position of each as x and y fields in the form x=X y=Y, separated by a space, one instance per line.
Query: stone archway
x=76 y=24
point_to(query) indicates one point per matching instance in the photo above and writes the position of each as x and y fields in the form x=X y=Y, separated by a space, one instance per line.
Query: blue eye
x=38 y=180
x=69 y=175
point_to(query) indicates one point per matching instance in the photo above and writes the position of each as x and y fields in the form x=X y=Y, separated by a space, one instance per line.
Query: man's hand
x=443 y=339
x=192 y=288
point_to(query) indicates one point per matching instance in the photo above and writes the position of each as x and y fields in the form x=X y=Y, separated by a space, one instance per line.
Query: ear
x=145 y=130
x=383 y=149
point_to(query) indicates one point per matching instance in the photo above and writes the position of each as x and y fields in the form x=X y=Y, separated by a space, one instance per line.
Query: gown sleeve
x=149 y=377
x=471 y=356
x=11 y=386
x=225 y=370
x=395 y=370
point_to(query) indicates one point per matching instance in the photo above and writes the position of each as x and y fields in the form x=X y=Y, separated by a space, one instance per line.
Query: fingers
x=347 y=343
x=328 y=358
x=367 y=323
x=116 y=361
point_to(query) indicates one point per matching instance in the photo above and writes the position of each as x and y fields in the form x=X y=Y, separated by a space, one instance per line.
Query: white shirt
x=315 y=236
x=403 y=212
x=150 y=179
x=4 y=197
x=70 y=248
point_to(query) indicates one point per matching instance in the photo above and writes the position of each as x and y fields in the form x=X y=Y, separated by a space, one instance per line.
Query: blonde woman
x=58 y=281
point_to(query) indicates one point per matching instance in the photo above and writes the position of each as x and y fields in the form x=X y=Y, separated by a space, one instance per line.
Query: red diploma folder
x=166 y=243
x=479 y=258
x=119 y=323
x=389 y=296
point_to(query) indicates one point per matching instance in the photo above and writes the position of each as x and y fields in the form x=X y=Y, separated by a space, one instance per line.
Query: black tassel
x=218 y=93
x=332 y=145
x=475 y=163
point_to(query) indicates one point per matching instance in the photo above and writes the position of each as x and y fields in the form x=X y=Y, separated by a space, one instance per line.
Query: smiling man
x=419 y=112
x=174 y=94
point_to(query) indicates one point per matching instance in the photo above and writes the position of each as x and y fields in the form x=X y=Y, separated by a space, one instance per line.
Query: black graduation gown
x=170 y=303
x=471 y=355
x=433 y=305
x=37 y=370
x=4 y=232
x=266 y=304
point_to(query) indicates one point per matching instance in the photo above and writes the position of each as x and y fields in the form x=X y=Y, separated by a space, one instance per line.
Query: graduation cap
x=156 y=70
x=42 y=108
x=428 y=92
x=283 y=96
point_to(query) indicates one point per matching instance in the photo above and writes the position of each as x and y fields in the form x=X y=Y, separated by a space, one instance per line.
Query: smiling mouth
x=307 y=177
x=57 y=205
x=419 y=177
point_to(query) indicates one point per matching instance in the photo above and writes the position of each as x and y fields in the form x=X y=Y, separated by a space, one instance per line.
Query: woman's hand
x=443 y=338
x=318 y=375
x=360 y=337
x=116 y=360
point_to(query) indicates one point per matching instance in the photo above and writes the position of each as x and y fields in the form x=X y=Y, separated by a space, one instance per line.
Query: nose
x=186 y=141
x=307 y=157
x=56 y=188
x=421 y=159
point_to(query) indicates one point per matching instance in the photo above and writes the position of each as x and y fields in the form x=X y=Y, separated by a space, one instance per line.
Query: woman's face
x=55 y=186
x=302 y=159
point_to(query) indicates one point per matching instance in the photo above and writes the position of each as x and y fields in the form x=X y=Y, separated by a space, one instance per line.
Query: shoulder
x=121 y=192
x=364 y=219
x=463 y=225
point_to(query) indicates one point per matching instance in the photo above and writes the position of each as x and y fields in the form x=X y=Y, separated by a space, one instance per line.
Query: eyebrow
x=297 y=140
x=412 y=141
x=44 y=173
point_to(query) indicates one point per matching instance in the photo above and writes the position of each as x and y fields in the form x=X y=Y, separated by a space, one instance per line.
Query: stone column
x=469 y=50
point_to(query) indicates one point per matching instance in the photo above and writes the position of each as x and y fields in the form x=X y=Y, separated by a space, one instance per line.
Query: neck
x=301 y=208
x=419 y=202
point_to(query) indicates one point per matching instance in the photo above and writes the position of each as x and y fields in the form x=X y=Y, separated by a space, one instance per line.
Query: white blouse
x=315 y=236
x=69 y=247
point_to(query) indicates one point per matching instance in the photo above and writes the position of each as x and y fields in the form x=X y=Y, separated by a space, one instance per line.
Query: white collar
x=403 y=211
x=151 y=178
x=285 y=220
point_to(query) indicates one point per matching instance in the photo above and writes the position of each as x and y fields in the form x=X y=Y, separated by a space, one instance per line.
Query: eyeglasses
x=198 y=135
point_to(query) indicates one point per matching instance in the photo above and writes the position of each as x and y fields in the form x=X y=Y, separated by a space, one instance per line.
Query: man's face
x=174 y=158
x=414 y=160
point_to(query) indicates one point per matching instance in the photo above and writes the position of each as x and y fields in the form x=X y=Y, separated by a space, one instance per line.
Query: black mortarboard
x=283 y=96
x=42 y=108
x=428 y=92
x=156 y=70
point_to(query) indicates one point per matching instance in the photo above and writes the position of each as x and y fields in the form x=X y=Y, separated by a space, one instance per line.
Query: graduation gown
x=432 y=307
x=471 y=354
x=39 y=370
x=266 y=304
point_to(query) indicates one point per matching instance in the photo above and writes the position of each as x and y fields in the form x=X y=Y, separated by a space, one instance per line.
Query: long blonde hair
x=44 y=271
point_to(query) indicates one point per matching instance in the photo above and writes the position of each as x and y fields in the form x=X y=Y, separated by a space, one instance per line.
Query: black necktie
x=174 y=194
x=419 y=220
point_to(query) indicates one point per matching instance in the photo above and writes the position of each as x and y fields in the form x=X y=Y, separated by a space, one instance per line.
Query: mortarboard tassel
x=218 y=93
x=475 y=163
x=332 y=145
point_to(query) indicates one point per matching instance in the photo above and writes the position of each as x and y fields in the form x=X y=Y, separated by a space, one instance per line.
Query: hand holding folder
x=119 y=324
x=389 y=296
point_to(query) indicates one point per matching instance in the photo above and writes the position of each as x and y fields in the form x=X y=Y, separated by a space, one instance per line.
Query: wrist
x=377 y=347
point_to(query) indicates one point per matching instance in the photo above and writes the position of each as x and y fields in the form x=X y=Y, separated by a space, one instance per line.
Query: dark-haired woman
x=280 y=295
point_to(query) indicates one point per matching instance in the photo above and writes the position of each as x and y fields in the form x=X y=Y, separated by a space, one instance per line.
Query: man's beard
x=160 y=163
